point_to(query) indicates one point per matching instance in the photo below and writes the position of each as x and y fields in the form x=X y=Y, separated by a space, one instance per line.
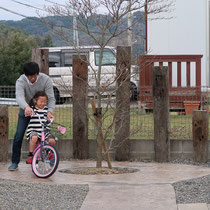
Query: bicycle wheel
x=45 y=165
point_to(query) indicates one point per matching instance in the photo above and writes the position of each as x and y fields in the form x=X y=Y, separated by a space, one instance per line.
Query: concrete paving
x=193 y=206
x=149 y=188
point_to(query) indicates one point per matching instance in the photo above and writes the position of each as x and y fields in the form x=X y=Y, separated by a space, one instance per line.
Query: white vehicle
x=60 y=70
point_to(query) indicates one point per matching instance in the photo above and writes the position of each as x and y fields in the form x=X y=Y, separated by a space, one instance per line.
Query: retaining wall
x=140 y=149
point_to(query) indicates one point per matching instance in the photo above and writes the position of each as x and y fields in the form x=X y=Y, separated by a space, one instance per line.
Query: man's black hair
x=31 y=68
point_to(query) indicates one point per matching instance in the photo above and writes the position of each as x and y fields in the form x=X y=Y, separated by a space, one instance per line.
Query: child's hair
x=36 y=96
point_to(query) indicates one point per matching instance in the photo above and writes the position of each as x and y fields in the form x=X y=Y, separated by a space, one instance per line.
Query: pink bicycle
x=45 y=156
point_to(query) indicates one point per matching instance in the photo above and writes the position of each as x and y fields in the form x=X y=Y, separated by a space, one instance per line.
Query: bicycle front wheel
x=45 y=161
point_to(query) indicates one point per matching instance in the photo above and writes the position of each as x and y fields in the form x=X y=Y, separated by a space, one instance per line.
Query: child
x=38 y=103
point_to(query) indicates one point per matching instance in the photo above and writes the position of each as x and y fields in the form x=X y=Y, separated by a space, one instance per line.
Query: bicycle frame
x=42 y=142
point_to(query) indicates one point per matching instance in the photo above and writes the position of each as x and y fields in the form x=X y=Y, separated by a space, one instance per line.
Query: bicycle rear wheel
x=45 y=165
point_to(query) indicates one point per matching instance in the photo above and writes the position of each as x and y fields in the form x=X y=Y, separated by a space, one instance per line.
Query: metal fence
x=141 y=117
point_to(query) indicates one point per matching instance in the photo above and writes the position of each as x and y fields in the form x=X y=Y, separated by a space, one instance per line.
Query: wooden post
x=200 y=136
x=101 y=133
x=4 y=120
x=122 y=121
x=80 y=107
x=160 y=88
x=40 y=56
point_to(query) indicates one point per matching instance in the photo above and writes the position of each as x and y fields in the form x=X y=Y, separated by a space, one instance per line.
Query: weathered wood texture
x=122 y=120
x=80 y=107
x=4 y=120
x=160 y=88
x=200 y=136
x=40 y=56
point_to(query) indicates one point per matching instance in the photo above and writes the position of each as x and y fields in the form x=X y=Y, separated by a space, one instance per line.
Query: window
x=108 y=58
x=68 y=59
x=54 y=59
x=69 y=55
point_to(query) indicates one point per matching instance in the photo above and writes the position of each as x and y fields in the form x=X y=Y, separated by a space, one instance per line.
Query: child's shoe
x=51 y=158
x=50 y=155
x=29 y=160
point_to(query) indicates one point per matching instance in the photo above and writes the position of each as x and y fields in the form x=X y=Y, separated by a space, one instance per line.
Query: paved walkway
x=149 y=188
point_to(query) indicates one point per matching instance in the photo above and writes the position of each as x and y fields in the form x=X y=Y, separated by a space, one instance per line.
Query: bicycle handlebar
x=49 y=121
x=60 y=128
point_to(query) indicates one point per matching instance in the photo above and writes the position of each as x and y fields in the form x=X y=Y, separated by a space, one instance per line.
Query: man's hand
x=28 y=111
x=50 y=116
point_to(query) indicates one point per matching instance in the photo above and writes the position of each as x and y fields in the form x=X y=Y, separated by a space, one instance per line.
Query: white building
x=187 y=32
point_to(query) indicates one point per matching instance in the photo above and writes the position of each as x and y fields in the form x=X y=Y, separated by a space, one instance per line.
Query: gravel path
x=22 y=195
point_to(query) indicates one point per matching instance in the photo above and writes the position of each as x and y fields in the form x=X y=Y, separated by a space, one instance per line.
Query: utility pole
x=129 y=24
x=75 y=30
x=145 y=21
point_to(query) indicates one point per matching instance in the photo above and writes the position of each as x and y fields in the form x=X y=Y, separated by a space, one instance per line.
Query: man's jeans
x=17 y=142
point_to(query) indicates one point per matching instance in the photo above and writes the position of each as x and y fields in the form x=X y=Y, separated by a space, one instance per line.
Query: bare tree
x=102 y=21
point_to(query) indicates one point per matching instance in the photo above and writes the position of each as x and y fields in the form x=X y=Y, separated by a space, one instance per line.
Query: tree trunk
x=97 y=116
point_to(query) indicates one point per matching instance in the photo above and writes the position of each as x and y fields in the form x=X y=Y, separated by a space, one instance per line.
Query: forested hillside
x=34 y=26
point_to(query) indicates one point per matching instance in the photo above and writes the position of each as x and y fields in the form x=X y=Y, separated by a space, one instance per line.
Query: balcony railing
x=184 y=78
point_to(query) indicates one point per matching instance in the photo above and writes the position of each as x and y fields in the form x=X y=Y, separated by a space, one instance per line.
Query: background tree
x=43 y=42
x=16 y=47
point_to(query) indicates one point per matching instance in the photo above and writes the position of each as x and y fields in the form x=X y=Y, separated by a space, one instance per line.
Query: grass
x=141 y=125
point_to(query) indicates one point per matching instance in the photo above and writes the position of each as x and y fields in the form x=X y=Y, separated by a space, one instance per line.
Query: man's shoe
x=13 y=167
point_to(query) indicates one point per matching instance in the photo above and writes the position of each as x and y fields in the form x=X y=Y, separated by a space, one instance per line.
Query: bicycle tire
x=46 y=166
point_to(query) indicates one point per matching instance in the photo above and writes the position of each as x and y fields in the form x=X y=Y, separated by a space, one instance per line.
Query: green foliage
x=16 y=48
x=46 y=42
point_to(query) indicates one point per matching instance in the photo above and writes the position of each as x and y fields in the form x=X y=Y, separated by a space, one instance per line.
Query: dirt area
x=94 y=171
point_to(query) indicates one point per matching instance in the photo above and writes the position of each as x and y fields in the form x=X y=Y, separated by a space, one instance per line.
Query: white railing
x=8 y=101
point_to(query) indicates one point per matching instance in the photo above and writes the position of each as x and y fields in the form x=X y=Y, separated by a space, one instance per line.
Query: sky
x=22 y=9
x=19 y=7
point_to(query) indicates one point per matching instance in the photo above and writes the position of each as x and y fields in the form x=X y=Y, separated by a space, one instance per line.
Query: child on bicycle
x=38 y=104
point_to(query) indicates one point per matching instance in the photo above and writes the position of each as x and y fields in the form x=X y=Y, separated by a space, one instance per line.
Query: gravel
x=195 y=190
x=92 y=171
x=22 y=195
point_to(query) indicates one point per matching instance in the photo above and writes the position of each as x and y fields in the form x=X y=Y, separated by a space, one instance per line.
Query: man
x=26 y=86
